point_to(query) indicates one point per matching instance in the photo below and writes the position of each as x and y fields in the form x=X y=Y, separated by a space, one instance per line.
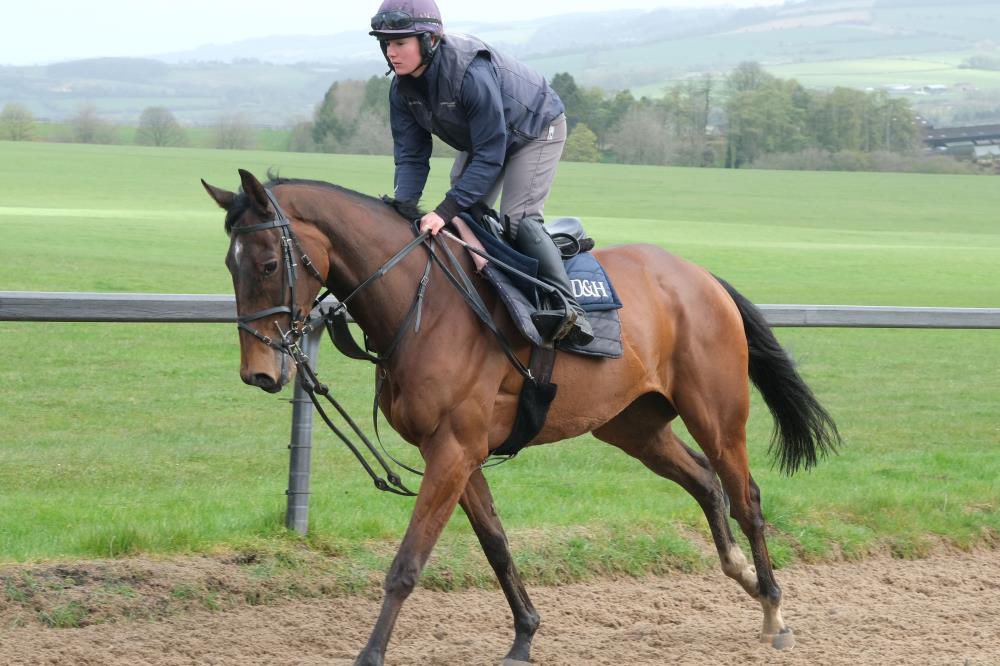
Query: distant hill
x=277 y=79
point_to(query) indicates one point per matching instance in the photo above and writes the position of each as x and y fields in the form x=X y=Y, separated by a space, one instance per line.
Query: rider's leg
x=527 y=181
x=534 y=241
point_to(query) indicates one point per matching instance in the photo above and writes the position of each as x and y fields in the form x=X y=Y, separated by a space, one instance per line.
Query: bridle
x=288 y=242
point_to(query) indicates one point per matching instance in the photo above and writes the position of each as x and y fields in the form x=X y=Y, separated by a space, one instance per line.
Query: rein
x=335 y=319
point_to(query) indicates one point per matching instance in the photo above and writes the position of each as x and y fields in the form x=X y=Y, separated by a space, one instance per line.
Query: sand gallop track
x=942 y=610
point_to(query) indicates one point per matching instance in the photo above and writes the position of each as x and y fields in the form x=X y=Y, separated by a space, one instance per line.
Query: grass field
x=194 y=137
x=919 y=70
x=121 y=439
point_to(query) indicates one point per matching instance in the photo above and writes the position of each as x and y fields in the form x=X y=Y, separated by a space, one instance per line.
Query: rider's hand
x=431 y=222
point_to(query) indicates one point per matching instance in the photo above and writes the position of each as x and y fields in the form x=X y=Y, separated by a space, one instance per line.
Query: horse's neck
x=362 y=237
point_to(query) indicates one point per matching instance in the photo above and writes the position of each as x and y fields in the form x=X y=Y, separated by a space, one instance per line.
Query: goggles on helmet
x=398 y=20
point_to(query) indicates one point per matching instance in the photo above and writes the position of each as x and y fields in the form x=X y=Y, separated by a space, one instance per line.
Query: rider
x=503 y=117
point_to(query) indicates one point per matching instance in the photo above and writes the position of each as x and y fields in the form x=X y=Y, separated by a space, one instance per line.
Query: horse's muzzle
x=264 y=381
x=270 y=381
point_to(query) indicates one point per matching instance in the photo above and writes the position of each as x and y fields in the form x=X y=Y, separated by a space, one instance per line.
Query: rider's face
x=404 y=54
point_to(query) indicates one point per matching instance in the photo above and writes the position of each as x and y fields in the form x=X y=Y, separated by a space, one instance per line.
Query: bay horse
x=690 y=343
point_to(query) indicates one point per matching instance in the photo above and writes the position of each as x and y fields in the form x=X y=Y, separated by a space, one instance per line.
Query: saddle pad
x=601 y=305
x=591 y=286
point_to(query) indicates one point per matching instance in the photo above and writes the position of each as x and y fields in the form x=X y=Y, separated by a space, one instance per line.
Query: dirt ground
x=942 y=610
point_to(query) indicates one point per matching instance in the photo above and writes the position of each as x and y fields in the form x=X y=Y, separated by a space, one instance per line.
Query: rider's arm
x=412 y=146
x=483 y=104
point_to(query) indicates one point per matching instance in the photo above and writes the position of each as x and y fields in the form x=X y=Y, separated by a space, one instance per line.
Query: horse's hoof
x=514 y=662
x=783 y=640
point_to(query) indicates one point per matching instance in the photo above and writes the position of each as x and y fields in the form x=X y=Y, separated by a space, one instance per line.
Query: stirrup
x=554 y=324
x=578 y=337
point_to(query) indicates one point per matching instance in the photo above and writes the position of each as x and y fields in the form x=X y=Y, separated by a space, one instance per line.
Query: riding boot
x=532 y=240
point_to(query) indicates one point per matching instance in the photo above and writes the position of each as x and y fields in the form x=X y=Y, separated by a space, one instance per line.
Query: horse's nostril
x=263 y=381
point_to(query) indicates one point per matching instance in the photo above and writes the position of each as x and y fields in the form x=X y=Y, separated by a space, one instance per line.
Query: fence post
x=300 y=447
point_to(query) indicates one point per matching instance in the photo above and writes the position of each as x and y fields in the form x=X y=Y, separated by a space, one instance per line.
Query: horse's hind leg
x=720 y=430
x=478 y=505
x=643 y=431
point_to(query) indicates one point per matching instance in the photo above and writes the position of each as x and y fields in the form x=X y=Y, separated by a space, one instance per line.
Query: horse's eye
x=270 y=267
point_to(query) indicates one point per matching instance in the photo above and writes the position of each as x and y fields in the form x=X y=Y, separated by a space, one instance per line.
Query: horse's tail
x=804 y=431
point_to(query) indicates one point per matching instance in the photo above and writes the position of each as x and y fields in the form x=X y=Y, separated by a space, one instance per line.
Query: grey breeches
x=527 y=176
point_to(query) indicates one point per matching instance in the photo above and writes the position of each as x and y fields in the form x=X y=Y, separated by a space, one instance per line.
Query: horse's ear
x=254 y=190
x=219 y=196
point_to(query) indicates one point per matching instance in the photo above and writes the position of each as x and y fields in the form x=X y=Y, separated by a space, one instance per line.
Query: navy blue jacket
x=475 y=100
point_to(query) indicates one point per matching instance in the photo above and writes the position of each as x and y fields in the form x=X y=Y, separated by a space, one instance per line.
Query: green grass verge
x=127 y=439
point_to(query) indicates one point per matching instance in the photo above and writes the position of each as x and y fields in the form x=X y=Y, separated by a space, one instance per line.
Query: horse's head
x=271 y=292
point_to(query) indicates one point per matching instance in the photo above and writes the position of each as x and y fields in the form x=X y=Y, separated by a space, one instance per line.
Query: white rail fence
x=33 y=306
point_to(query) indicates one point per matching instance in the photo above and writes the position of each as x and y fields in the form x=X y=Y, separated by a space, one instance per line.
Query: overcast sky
x=40 y=31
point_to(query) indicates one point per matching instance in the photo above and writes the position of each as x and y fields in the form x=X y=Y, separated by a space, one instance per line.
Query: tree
x=377 y=95
x=335 y=117
x=770 y=118
x=158 y=127
x=301 y=138
x=16 y=123
x=748 y=76
x=896 y=124
x=641 y=136
x=688 y=106
x=354 y=118
x=234 y=132
x=371 y=136
x=88 y=127
x=581 y=146
x=572 y=98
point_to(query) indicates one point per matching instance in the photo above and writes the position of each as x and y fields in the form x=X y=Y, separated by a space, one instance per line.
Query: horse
x=691 y=343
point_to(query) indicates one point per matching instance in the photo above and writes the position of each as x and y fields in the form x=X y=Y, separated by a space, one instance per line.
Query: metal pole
x=300 y=447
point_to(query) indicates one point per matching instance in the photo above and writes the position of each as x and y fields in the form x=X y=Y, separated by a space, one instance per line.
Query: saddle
x=591 y=285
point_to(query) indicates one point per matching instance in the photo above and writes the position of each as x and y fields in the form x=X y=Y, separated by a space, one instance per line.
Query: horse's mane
x=241 y=202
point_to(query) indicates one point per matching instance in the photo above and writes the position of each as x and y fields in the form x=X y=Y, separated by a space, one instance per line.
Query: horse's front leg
x=448 y=466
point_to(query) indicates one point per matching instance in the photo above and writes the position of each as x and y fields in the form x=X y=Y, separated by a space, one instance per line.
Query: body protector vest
x=529 y=103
